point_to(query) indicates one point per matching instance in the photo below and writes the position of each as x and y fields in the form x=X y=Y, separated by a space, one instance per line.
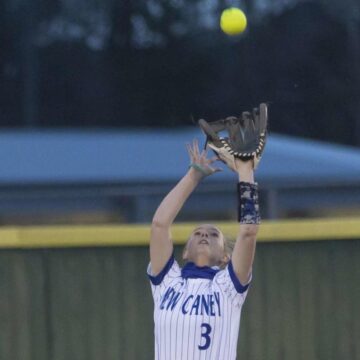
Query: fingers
x=213 y=159
x=189 y=149
x=190 y=152
x=199 y=157
x=193 y=150
x=196 y=148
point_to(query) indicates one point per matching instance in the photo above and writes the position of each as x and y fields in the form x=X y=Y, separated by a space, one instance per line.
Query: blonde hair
x=228 y=245
x=228 y=248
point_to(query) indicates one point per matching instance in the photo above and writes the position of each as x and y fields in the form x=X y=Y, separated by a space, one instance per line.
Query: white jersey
x=197 y=313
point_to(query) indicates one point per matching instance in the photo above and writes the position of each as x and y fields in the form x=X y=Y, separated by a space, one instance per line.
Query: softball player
x=197 y=308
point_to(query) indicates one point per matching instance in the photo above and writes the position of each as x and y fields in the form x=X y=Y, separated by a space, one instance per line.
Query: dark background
x=157 y=63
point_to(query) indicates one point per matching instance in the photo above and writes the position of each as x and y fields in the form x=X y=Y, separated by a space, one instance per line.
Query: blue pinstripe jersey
x=196 y=312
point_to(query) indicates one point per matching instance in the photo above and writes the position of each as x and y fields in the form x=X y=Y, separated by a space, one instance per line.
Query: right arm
x=161 y=246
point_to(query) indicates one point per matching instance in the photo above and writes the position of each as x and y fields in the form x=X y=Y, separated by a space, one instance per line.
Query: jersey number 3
x=205 y=333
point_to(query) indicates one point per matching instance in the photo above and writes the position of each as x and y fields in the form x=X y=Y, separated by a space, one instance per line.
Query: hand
x=199 y=162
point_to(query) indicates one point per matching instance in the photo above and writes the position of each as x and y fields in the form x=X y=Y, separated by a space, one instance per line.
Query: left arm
x=247 y=138
x=244 y=249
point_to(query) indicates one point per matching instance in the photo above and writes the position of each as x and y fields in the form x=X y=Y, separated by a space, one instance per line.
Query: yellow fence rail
x=138 y=235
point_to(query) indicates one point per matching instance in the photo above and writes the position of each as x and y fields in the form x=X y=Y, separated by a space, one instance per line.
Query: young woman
x=197 y=307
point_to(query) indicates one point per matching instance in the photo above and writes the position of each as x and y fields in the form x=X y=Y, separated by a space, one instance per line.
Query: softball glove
x=246 y=136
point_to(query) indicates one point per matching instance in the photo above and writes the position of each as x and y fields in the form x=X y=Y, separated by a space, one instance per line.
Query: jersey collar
x=192 y=271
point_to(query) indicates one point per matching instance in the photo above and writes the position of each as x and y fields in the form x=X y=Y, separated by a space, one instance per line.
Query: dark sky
x=154 y=63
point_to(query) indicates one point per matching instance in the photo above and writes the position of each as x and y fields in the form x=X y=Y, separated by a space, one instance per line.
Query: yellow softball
x=233 y=21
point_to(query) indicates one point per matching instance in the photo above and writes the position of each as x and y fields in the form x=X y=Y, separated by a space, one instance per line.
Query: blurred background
x=97 y=101
x=121 y=64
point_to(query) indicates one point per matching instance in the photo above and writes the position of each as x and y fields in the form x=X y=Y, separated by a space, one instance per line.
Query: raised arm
x=242 y=151
x=244 y=250
x=161 y=246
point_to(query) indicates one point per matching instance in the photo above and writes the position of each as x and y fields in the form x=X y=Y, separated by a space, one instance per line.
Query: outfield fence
x=82 y=293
